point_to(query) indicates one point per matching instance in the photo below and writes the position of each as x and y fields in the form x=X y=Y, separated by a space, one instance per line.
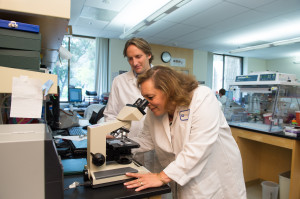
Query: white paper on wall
x=26 y=98
x=177 y=62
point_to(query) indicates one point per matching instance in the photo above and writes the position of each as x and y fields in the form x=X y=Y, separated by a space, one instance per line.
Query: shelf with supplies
x=52 y=17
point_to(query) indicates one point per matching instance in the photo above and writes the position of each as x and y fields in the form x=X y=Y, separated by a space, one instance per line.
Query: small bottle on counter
x=294 y=122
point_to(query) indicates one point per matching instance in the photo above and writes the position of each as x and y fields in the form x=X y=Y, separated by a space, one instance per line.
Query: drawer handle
x=13 y=24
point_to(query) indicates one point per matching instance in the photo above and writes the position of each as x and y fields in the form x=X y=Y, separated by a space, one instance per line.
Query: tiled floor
x=254 y=191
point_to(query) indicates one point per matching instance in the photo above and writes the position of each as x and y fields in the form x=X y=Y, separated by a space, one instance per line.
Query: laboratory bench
x=114 y=191
x=266 y=155
x=73 y=172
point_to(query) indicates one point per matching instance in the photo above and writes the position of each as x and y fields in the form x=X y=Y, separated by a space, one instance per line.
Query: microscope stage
x=112 y=174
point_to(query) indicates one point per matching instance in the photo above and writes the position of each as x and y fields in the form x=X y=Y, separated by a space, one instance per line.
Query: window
x=80 y=70
x=225 y=69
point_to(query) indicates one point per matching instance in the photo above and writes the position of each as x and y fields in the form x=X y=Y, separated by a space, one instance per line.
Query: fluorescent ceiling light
x=136 y=11
x=141 y=26
x=267 y=45
x=286 y=42
x=182 y=3
x=157 y=15
x=250 y=48
x=171 y=5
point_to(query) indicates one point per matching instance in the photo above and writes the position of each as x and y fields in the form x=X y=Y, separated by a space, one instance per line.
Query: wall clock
x=165 y=57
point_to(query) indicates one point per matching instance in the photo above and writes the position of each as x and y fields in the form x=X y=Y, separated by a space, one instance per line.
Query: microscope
x=109 y=159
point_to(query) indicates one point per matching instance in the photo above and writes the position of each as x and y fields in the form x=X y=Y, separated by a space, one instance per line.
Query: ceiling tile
x=98 y=13
x=88 y=23
x=195 y=35
x=114 y=5
x=238 y=21
x=79 y=30
x=190 y=9
x=252 y=3
x=280 y=7
x=215 y=14
x=176 y=31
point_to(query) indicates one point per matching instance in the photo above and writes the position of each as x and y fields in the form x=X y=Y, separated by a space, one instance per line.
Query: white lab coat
x=197 y=151
x=124 y=91
x=223 y=100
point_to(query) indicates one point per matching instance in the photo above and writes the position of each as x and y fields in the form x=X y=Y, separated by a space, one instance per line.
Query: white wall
x=200 y=65
x=285 y=65
x=255 y=65
x=117 y=61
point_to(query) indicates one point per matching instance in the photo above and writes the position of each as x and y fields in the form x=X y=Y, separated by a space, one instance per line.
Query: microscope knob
x=98 y=159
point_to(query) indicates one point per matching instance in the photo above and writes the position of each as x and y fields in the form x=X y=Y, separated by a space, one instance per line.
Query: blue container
x=13 y=25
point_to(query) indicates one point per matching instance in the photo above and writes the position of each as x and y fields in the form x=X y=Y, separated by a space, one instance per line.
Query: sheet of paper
x=26 y=98
x=84 y=122
x=47 y=86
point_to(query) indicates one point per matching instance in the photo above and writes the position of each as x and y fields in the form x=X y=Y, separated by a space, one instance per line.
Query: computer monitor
x=75 y=95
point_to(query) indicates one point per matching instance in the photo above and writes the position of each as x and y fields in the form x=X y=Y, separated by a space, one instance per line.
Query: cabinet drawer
x=20 y=59
x=14 y=39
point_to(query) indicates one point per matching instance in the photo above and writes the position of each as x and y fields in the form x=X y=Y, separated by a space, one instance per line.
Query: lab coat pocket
x=208 y=188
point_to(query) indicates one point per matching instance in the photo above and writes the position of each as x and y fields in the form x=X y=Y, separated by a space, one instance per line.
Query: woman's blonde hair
x=177 y=86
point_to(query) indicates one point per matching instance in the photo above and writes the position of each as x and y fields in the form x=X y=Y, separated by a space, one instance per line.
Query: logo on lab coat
x=184 y=114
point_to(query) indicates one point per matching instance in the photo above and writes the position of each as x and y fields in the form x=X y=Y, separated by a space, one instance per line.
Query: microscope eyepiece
x=137 y=102
x=141 y=104
x=144 y=104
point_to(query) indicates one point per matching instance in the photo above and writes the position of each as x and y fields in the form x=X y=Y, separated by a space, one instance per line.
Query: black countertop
x=278 y=134
x=114 y=191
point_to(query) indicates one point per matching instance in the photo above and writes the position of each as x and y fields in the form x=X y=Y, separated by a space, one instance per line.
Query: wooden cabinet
x=266 y=156
x=52 y=17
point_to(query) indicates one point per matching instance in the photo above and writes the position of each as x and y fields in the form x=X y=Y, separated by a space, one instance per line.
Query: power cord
x=77 y=184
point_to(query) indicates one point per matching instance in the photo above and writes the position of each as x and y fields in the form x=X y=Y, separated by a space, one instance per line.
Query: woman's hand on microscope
x=147 y=180
x=109 y=137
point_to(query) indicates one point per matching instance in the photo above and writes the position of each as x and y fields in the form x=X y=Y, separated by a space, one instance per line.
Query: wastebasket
x=269 y=190
x=284 y=185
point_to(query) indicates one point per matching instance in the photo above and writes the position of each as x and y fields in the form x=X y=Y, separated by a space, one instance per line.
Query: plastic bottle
x=294 y=122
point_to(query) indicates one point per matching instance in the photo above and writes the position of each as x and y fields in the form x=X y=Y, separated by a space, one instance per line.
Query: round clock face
x=166 y=57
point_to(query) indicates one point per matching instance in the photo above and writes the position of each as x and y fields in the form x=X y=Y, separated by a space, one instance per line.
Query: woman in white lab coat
x=191 y=137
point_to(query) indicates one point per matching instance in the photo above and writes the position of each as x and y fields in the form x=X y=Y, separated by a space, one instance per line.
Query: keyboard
x=73 y=131
x=81 y=105
x=79 y=148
